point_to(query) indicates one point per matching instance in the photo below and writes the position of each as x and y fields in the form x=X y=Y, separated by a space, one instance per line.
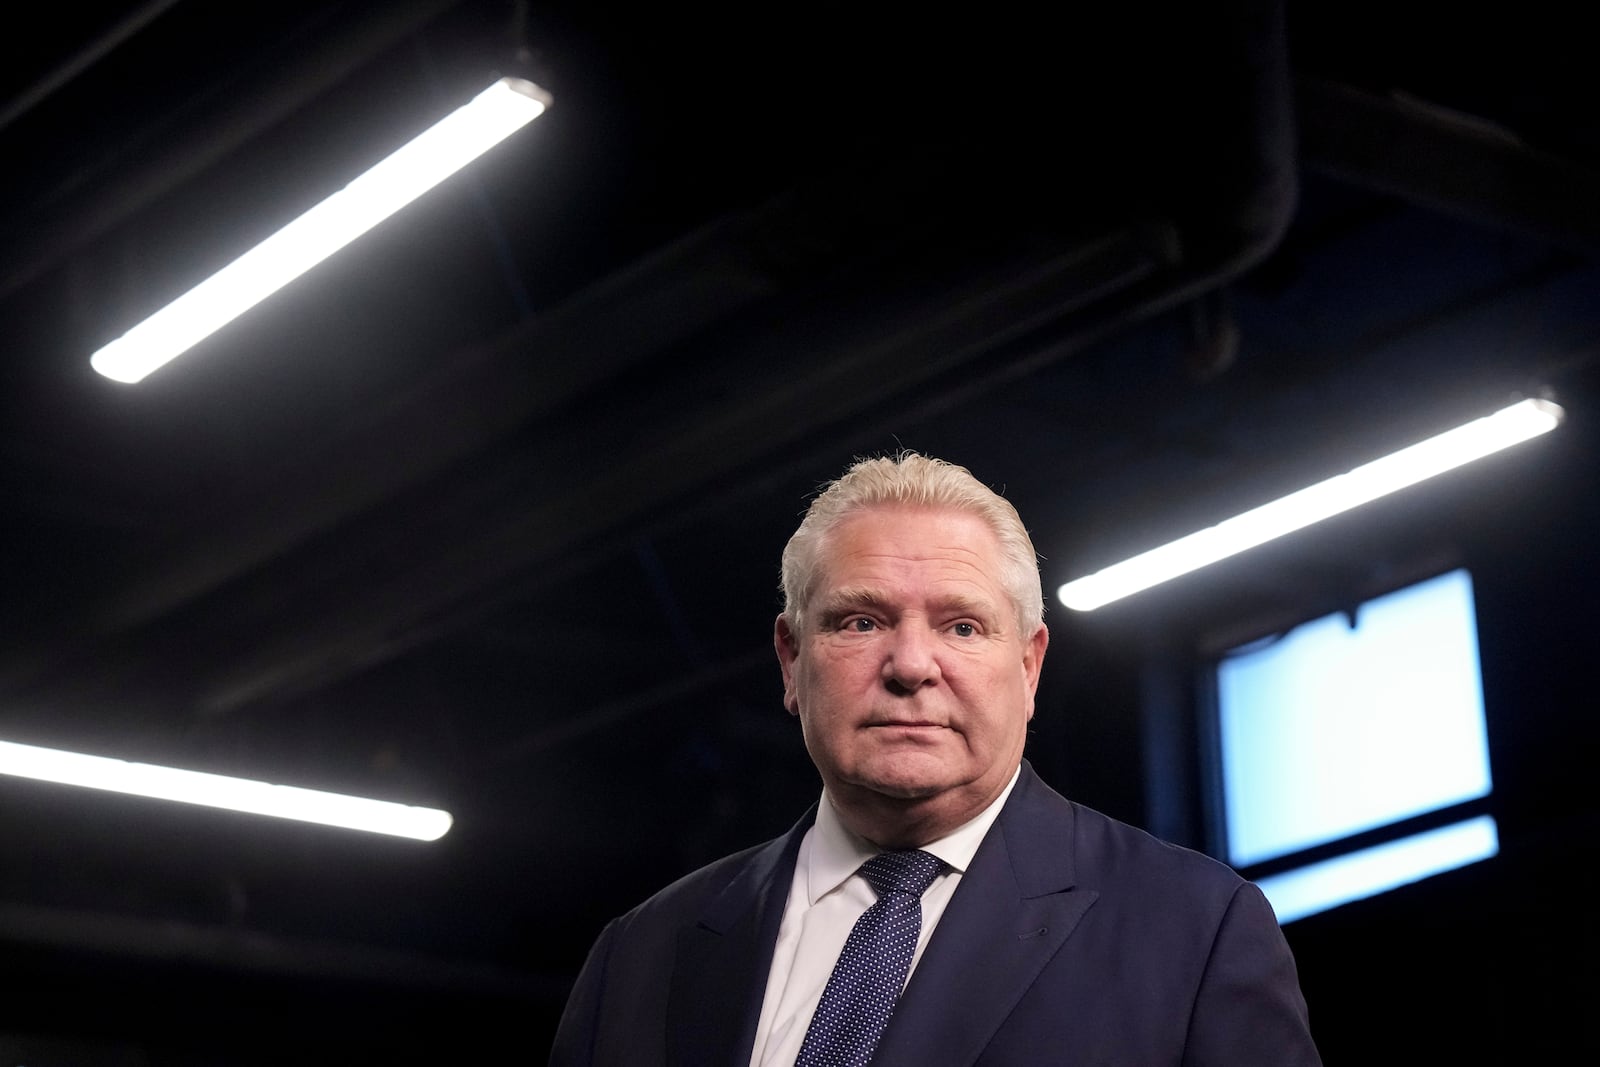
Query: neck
x=890 y=822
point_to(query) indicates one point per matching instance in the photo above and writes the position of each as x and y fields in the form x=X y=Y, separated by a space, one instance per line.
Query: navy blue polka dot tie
x=865 y=983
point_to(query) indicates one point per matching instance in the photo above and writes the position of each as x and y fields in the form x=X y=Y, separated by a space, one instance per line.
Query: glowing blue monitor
x=1348 y=724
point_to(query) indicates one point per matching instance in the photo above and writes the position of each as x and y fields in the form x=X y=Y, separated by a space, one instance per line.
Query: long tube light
x=1365 y=483
x=430 y=158
x=221 y=791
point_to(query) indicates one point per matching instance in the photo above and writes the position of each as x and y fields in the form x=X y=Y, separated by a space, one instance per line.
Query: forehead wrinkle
x=957 y=553
x=955 y=562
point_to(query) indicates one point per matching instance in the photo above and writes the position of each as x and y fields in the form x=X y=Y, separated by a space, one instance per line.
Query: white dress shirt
x=826 y=898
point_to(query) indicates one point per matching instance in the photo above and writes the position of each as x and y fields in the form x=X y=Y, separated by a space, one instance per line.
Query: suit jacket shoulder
x=679 y=979
x=1077 y=939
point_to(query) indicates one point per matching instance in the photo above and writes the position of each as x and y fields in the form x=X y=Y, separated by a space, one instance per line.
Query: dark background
x=486 y=511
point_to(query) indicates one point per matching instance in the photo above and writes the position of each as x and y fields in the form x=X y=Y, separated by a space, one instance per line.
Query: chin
x=902 y=790
x=908 y=781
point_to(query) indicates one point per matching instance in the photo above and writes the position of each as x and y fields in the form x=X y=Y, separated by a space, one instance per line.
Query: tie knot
x=909 y=871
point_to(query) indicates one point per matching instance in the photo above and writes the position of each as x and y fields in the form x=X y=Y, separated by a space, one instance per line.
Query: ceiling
x=485 y=511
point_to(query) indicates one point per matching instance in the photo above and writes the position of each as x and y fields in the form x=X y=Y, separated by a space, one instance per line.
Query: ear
x=787 y=644
x=1033 y=660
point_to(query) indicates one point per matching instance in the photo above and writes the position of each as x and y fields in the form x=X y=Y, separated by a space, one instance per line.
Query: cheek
x=835 y=668
x=812 y=682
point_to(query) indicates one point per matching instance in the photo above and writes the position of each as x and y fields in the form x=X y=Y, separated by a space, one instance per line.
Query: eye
x=860 y=624
x=964 y=629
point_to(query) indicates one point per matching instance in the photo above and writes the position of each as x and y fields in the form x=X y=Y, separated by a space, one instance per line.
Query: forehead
x=891 y=544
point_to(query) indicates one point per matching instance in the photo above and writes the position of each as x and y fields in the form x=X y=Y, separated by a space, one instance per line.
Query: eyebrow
x=843 y=601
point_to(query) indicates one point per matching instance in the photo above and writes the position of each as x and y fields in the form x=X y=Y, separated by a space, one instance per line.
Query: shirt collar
x=836 y=852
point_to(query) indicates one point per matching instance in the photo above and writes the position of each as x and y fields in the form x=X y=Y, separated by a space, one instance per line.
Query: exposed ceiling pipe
x=85 y=58
x=1467 y=167
x=66 y=218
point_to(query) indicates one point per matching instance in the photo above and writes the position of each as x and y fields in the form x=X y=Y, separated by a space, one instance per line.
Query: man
x=1037 y=931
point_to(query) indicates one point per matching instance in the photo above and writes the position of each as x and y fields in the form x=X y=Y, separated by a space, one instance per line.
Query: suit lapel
x=1015 y=907
x=719 y=974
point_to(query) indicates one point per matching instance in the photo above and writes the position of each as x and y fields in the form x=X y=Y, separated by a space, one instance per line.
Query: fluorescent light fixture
x=434 y=155
x=1448 y=450
x=221 y=791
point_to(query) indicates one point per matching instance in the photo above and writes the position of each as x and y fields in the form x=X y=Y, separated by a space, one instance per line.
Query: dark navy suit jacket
x=1071 y=939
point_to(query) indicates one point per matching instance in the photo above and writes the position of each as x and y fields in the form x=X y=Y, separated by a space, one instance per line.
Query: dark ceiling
x=485 y=512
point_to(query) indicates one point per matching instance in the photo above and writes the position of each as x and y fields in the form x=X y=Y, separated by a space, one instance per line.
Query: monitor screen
x=1351 y=722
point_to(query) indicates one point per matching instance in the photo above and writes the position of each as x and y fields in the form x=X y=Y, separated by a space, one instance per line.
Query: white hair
x=910 y=479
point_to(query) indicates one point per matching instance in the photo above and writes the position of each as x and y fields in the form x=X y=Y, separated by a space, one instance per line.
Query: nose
x=913 y=660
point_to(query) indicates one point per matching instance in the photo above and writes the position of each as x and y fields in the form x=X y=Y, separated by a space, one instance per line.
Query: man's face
x=912 y=683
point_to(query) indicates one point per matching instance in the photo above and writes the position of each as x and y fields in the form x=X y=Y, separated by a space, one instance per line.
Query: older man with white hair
x=939 y=905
